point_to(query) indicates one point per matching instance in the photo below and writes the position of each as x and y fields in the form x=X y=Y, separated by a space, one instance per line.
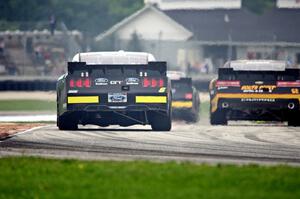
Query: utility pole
x=229 y=50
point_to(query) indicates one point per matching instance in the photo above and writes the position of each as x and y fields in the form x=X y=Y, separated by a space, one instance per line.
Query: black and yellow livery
x=255 y=90
x=185 y=100
x=114 y=89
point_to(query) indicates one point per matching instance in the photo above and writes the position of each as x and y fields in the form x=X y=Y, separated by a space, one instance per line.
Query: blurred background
x=37 y=38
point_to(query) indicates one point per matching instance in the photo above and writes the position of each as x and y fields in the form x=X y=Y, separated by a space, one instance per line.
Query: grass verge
x=48 y=178
x=204 y=110
x=27 y=105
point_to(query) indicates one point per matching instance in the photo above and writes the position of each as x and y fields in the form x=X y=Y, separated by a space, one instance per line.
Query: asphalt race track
x=236 y=143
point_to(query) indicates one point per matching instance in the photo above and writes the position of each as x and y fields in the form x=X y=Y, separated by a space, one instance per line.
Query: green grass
x=46 y=178
x=204 y=110
x=27 y=105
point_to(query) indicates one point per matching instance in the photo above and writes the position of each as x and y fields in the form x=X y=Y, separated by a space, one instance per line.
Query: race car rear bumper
x=132 y=103
x=182 y=104
x=255 y=101
x=104 y=115
x=257 y=104
x=120 y=107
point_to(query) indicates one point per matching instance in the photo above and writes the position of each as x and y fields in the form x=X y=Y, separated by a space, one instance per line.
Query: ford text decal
x=132 y=81
x=101 y=81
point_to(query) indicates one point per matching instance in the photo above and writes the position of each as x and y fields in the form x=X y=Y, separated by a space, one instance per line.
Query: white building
x=208 y=31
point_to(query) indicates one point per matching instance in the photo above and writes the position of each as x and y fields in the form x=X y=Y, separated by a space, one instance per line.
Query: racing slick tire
x=162 y=122
x=294 y=120
x=218 y=118
x=193 y=118
x=66 y=123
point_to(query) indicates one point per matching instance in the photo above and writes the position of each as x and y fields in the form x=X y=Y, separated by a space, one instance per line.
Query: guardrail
x=14 y=83
x=34 y=85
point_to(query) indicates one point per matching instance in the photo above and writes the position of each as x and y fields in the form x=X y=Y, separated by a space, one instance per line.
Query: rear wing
x=151 y=69
x=290 y=74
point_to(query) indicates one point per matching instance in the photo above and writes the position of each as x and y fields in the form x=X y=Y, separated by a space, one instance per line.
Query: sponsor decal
x=73 y=91
x=222 y=87
x=132 y=81
x=117 y=97
x=257 y=100
x=259 y=82
x=295 y=90
x=101 y=81
x=115 y=82
x=162 y=90
x=258 y=88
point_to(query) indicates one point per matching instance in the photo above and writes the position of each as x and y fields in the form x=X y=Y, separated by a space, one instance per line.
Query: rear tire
x=193 y=117
x=161 y=122
x=218 y=118
x=294 y=120
x=66 y=123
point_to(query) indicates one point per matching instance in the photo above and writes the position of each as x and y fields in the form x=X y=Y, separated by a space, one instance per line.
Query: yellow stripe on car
x=151 y=99
x=214 y=101
x=83 y=99
x=182 y=104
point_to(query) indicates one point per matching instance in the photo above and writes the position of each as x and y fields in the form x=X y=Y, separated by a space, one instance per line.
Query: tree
x=258 y=6
x=89 y=16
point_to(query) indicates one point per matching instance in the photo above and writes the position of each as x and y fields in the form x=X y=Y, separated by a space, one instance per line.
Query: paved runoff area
x=238 y=143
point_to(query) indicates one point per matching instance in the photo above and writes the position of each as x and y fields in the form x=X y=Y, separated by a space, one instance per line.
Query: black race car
x=263 y=90
x=107 y=88
x=185 y=98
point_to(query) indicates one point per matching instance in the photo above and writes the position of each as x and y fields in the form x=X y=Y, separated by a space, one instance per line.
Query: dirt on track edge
x=9 y=129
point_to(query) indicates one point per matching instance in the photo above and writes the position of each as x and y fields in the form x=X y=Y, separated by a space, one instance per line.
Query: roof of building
x=292 y=4
x=137 y=15
x=221 y=26
x=196 y=4
x=277 y=25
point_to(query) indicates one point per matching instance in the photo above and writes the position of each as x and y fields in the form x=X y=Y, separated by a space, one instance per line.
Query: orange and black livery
x=265 y=90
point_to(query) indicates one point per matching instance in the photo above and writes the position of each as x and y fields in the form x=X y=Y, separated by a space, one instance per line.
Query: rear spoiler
x=158 y=66
x=287 y=71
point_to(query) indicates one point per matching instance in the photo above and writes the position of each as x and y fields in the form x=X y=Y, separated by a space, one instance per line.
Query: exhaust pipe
x=225 y=105
x=291 y=106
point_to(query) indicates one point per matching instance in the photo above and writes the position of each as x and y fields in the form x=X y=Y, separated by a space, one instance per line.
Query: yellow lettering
x=295 y=90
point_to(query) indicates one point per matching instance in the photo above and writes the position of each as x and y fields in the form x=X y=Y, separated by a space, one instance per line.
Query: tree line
x=89 y=16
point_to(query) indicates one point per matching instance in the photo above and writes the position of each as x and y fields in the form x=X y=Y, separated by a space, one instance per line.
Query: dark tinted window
x=181 y=85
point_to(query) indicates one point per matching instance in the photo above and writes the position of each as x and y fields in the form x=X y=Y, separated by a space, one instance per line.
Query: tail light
x=153 y=82
x=188 y=96
x=228 y=83
x=80 y=83
x=72 y=83
x=87 y=83
x=288 y=83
